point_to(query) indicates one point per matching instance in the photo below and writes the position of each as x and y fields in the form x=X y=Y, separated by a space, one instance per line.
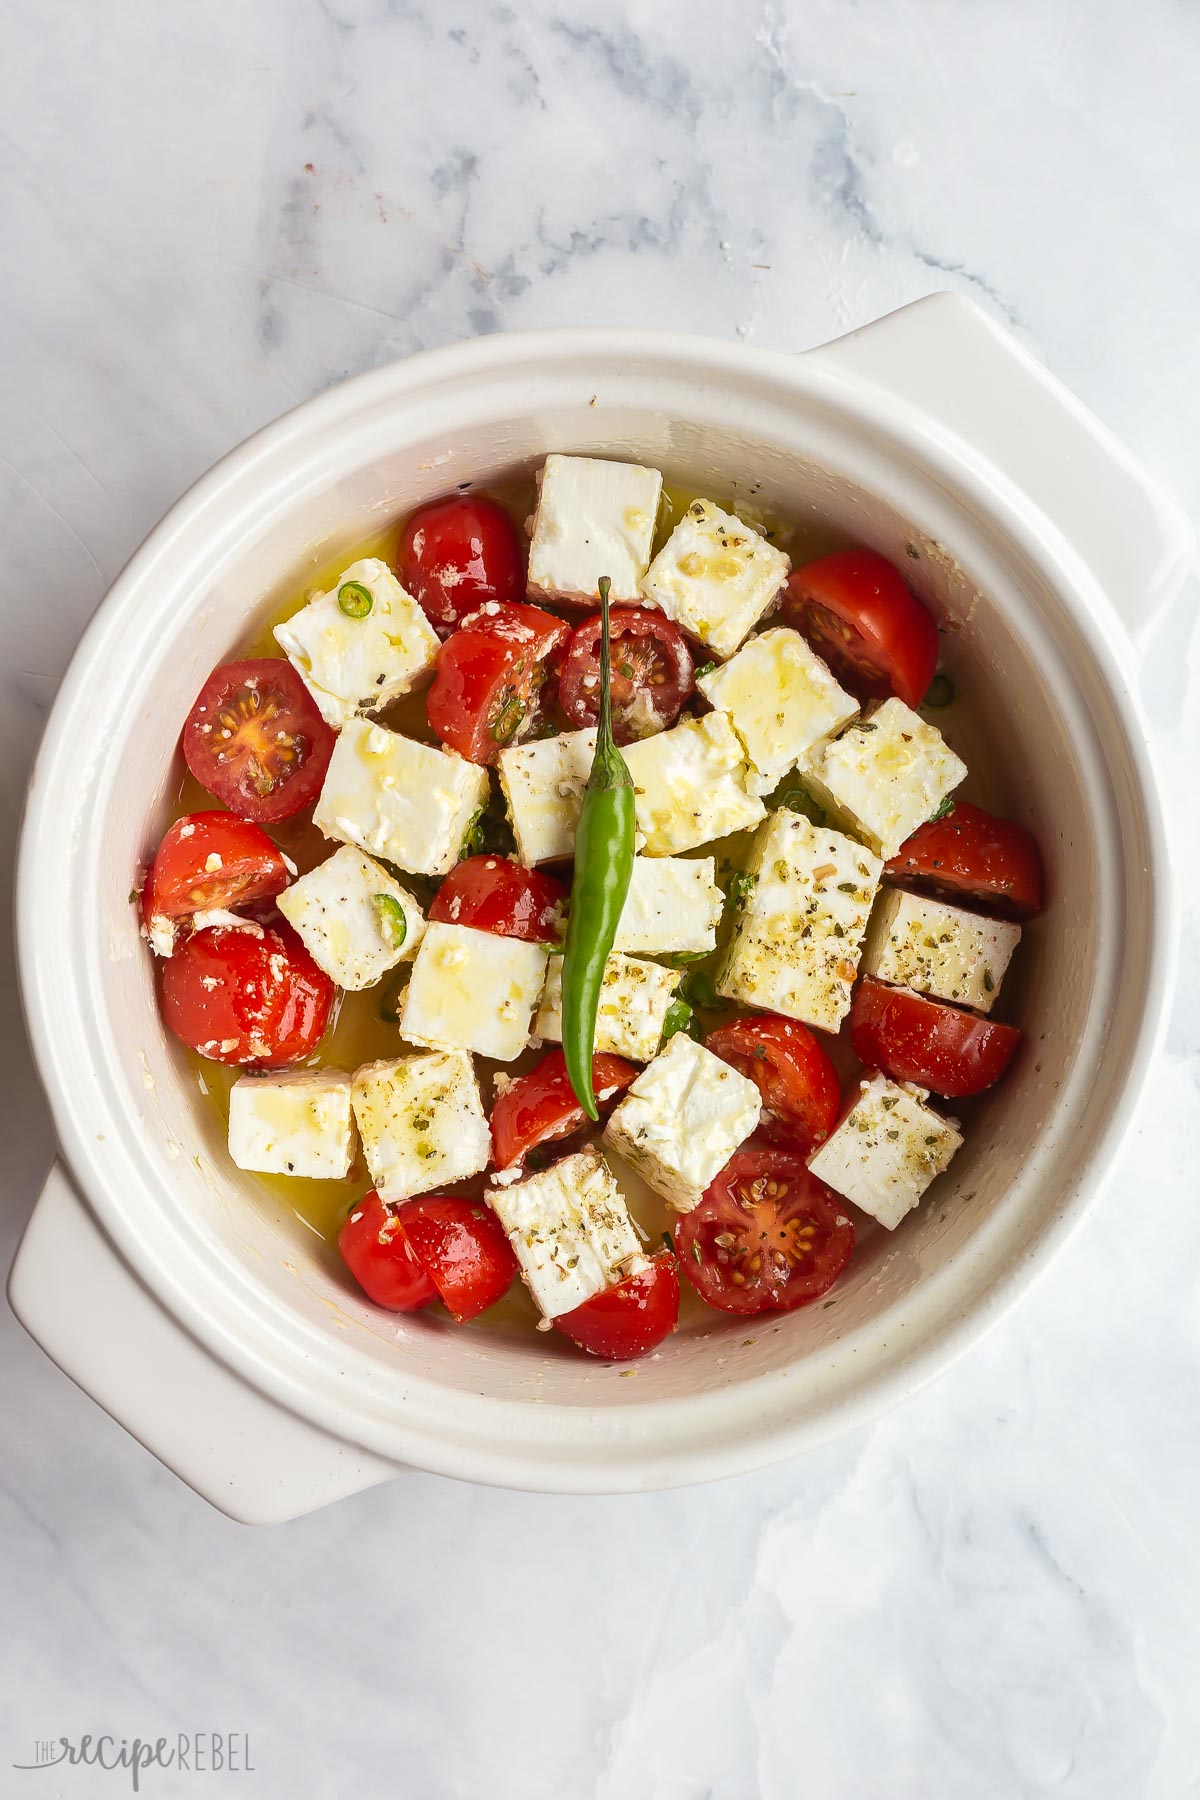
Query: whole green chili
x=604 y=840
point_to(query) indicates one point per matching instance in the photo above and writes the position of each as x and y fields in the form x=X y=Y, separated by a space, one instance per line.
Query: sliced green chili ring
x=355 y=600
x=678 y=1018
x=799 y=800
x=508 y=718
x=391 y=996
x=392 y=921
x=941 y=691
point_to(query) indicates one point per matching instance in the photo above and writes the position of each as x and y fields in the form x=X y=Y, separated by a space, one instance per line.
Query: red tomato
x=381 y=1259
x=208 y=861
x=488 y=677
x=857 y=612
x=971 y=855
x=255 y=739
x=247 y=995
x=796 y=1078
x=651 y=673
x=913 y=1038
x=766 y=1237
x=493 y=894
x=541 y=1105
x=462 y=1247
x=457 y=553
x=629 y=1318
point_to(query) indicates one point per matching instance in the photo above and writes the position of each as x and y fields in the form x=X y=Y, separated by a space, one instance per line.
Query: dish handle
x=254 y=1460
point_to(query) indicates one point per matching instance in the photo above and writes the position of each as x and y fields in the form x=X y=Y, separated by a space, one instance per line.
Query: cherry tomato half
x=378 y=1254
x=913 y=1038
x=493 y=894
x=255 y=739
x=629 y=1318
x=457 y=553
x=541 y=1105
x=462 y=1248
x=972 y=855
x=651 y=673
x=857 y=612
x=488 y=676
x=207 y=862
x=794 y=1074
x=766 y=1237
x=250 y=995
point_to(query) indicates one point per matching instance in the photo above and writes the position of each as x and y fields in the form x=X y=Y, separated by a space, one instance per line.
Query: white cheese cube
x=543 y=785
x=635 y=997
x=406 y=802
x=570 y=1231
x=673 y=907
x=593 y=518
x=356 y=665
x=422 y=1122
x=355 y=919
x=682 y=1119
x=296 y=1122
x=473 y=990
x=715 y=577
x=690 y=785
x=886 y=1150
x=938 y=949
x=796 y=942
x=780 y=698
x=884 y=775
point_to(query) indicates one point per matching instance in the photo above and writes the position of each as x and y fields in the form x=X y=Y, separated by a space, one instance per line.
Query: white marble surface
x=208 y=212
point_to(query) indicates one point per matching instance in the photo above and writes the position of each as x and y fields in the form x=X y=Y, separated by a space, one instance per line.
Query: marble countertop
x=211 y=212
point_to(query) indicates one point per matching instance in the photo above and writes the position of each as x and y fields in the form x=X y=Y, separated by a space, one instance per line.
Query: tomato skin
x=462 y=1247
x=491 y=893
x=794 y=1074
x=179 y=885
x=378 y=1254
x=489 y=673
x=913 y=1038
x=540 y=1106
x=651 y=665
x=629 y=1318
x=857 y=612
x=273 y=762
x=458 y=552
x=972 y=855
x=247 y=995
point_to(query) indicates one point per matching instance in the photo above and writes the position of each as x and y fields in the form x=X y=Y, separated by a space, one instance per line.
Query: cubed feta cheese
x=884 y=775
x=673 y=907
x=570 y=1230
x=593 y=518
x=355 y=665
x=422 y=1122
x=715 y=577
x=406 y=802
x=473 y=990
x=886 y=1150
x=543 y=785
x=295 y=1122
x=635 y=997
x=939 y=949
x=780 y=698
x=682 y=1119
x=690 y=785
x=795 y=945
x=355 y=919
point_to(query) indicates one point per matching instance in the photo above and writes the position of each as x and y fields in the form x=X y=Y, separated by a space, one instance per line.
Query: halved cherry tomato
x=462 y=1248
x=766 y=1237
x=207 y=862
x=541 y=1105
x=457 y=553
x=250 y=995
x=382 y=1261
x=857 y=612
x=651 y=669
x=912 y=1038
x=972 y=855
x=630 y=1317
x=493 y=894
x=255 y=739
x=794 y=1073
x=488 y=676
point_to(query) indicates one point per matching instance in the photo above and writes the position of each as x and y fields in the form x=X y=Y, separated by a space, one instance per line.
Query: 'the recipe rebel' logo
x=195 y=1753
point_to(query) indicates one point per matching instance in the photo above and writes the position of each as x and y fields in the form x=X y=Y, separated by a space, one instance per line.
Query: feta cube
x=780 y=698
x=798 y=935
x=884 y=775
x=682 y=1119
x=294 y=1122
x=355 y=919
x=715 y=577
x=593 y=518
x=635 y=997
x=422 y=1122
x=673 y=907
x=570 y=1230
x=406 y=802
x=939 y=949
x=690 y=785
x=886 y=1150
x=543 y=785
x=473 y=990
x=352 y=665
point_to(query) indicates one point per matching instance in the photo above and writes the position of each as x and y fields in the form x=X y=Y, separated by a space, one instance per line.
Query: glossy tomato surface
x=489 y=674
x=255 y=739
x=458 y=552
x=491 y=893
x=974 y=856
x=629 y=1318
x=462 y=1247
x=210 y=861
x=381 y=1259
x=540 y=1106
x=858 y=613
x=249 y=995
x=913 y=1038
x=793 y=1072
x=651 y=673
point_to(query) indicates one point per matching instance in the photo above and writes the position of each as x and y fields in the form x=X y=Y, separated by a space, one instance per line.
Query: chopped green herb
x=678 y=1018
x=941 y=691
x=354 y=599
x=706 y=669
x=742 y=885
x=943 y=811
x=392 y=921
x=507 y=720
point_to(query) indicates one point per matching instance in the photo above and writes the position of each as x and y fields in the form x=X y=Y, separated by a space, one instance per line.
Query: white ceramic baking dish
x=206 y=1318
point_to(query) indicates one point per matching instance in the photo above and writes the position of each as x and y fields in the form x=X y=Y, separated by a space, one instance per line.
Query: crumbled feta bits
x=939 y=949
x=805 y=899
x=886 y=1150
x=593 y=518
x=780 y=698
x=355 y=919
x=715 y=577
x=673 y=907
x=473 y=990
x=543 y=785
x=353 y=664
x=296 y=1122
x=884 y=775
x=422 y=1122
x=682 y=1119
x=635 y=997
x=406 y=802
x=690 y=785
x=570 y=1231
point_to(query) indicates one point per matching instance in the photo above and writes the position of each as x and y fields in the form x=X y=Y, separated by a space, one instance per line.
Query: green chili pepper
x=354 y=599
x=391 y=997
x=941 y=692
x=392 y=921
x=604 y=841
